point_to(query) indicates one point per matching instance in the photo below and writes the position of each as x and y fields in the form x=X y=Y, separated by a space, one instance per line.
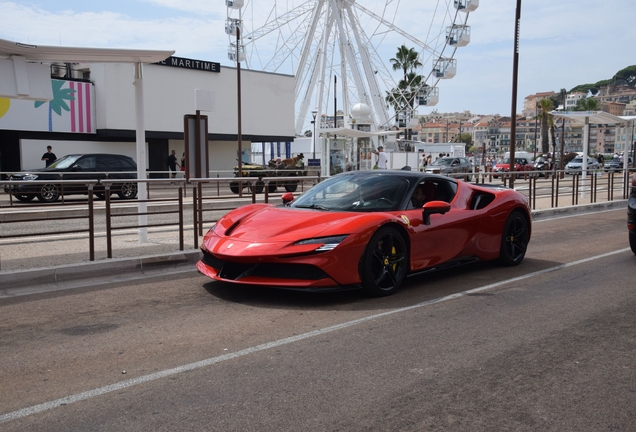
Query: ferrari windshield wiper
x=314 y=206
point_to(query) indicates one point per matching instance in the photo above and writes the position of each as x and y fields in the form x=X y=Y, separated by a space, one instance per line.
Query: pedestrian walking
x=382 y=159
x=172 y=164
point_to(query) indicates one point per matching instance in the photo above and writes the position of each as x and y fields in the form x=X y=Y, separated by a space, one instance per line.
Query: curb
x=24 y=282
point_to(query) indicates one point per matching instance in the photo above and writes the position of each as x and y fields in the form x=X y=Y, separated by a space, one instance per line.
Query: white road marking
x=214 y=360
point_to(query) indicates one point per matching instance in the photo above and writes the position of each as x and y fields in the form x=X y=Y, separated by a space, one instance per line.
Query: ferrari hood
x=274 y=224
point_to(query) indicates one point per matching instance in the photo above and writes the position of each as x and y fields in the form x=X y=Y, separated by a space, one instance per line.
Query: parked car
x=522 y=164
x=450 y=165
x=368 y=229
x=631 y=216
x=576 y=165
x=615 y=165
x=75 y=167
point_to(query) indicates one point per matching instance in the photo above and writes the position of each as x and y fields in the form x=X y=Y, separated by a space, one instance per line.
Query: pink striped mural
x=80 y=108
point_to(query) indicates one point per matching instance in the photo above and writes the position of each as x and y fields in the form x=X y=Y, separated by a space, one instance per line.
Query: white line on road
x=214 y=360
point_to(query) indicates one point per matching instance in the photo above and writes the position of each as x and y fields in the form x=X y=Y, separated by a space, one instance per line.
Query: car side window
x=445 y=190
x=109 y=164
x=433 y=190
x=127 y=164
x=86 y=162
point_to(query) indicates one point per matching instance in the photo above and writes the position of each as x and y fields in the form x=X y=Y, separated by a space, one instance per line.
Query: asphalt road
x=549 y=345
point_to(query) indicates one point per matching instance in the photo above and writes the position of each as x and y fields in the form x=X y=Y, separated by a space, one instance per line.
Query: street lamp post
x=313 y=135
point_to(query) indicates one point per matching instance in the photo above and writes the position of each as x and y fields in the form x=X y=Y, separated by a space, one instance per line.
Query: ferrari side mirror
x=434 y=207
x=287 y=198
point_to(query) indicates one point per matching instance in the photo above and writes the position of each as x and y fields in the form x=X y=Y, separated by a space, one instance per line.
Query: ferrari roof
x=63 y=54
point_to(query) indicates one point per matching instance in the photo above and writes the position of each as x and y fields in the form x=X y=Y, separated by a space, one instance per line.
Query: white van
x=520 y=155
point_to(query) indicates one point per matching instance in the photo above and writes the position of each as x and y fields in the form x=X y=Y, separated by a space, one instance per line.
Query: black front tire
x=514 y=240
x=385 y=263
x=271 y=188
x=48 y=193
x=291 y=186
x=632 y=241
x=24 y=197
x=234 y=187
x=258 y=187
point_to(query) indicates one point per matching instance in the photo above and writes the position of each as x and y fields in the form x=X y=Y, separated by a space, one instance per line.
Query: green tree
x=586 y=104
x=626 y=76
x=406 y=59
x=466 y=139
x=402 y=98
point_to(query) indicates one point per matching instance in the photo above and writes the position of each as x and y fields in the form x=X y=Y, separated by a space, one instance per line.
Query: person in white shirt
x=381 y=157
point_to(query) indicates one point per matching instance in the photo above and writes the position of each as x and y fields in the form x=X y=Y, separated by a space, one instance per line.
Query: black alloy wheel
x=385 y=263
x=128 y=191
x=514 y=240
x=48 y=193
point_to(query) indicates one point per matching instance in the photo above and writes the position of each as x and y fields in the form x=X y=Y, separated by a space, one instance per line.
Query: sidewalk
x=33 y=265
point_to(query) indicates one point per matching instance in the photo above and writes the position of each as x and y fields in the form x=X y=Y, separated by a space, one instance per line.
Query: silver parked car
x=451 y=166
x=575 y=166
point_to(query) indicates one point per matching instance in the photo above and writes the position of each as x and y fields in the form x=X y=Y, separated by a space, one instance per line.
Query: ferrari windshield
x=356 y=193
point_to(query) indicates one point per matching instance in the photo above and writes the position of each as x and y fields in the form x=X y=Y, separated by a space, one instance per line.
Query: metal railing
x=208 y=195
x=27 y=217
x=560 y=185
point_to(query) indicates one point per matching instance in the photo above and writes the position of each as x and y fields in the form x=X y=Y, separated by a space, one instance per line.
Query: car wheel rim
x=128 y=190
x=389 y=261
x=516 y=238
x=49 y=192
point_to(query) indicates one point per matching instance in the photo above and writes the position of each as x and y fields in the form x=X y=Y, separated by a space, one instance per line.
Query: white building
x=97 y=113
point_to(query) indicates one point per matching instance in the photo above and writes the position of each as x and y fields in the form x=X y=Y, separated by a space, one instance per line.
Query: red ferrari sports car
x=369 y=229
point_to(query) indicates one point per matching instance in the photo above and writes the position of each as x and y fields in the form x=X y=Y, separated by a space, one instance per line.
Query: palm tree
x=57 y=104
x=545 y=106
x=406 y=59
x=402 y=98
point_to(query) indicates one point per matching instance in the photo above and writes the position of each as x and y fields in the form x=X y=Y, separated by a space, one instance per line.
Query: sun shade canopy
x=594 y=117
x=63 y=54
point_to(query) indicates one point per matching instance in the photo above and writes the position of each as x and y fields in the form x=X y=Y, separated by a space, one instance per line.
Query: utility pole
x=515 y=74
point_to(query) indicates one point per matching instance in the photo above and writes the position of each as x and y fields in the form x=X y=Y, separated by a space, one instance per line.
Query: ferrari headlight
x=326 y=243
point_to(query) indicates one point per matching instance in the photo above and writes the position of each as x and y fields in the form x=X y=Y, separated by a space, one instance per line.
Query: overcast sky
x=563 y=43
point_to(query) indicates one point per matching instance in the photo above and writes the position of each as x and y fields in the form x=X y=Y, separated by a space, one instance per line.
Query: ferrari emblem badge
x=406 y=220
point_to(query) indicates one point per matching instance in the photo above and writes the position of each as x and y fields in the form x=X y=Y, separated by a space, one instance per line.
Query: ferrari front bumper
x=288 y=275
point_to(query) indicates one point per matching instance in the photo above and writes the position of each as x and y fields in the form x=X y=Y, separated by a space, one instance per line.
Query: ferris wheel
x=340 y=52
